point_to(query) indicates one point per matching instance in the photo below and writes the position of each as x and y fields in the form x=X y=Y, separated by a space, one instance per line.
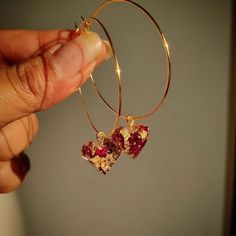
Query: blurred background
x=178 y=184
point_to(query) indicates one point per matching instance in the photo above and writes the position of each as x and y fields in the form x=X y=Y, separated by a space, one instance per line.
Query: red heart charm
x=102 y=155
x=131 y=139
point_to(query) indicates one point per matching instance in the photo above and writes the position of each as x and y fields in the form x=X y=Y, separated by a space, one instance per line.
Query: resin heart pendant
x=131 y=139
x=101 y=154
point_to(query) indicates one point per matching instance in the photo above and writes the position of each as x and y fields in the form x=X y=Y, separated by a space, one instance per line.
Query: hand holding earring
x=37 y=70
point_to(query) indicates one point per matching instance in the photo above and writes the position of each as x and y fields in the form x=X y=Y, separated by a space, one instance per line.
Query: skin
x=23 y=94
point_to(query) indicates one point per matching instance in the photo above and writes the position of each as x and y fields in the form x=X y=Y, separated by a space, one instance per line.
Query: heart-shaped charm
x=102 y=155
x=131 y=139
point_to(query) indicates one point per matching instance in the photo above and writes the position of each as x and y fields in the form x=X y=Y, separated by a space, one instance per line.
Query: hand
x=37 y=70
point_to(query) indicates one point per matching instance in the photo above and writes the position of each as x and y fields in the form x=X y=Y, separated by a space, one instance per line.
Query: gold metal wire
x=86 y=27
x=167 y=54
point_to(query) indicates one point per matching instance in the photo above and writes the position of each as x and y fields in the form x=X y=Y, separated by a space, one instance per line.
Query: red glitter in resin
x=135 y=138
x=143 y=127
x=102 y=155
x=118 y=138
x=137 y=147
x=86 y=150
x=102 y=152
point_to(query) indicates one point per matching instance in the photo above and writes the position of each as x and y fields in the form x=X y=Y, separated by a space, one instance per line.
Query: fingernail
x=109 y=52
x=92 y=44
x=70 y=58
x=24 y=163
x=20 y=165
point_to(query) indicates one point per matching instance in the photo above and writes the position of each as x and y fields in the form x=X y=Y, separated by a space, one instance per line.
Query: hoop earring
x=104 y=152
x=132 y=139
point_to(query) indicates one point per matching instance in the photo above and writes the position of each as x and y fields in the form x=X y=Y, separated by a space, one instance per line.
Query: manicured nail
x=108 y=49
x=72 y=57
x=24 y=163
x=20 y=165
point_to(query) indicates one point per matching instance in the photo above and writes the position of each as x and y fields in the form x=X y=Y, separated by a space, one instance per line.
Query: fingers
x=45 y=80
x=13 y=172
x=19 y=45
x=16 y=136
x=14 y=164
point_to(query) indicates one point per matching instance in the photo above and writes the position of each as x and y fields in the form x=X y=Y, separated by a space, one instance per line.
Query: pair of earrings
x=105 y=151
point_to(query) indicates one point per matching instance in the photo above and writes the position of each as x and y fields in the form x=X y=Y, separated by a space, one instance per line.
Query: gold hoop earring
x=103 y=152
x=132 y=139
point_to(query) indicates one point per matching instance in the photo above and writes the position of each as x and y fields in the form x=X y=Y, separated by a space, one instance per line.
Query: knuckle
x=32 y=80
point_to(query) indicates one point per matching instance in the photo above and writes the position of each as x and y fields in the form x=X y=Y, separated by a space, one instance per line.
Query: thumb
x=43 y=81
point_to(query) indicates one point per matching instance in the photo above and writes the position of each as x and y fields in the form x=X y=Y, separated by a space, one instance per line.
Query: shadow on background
x=230 y=194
